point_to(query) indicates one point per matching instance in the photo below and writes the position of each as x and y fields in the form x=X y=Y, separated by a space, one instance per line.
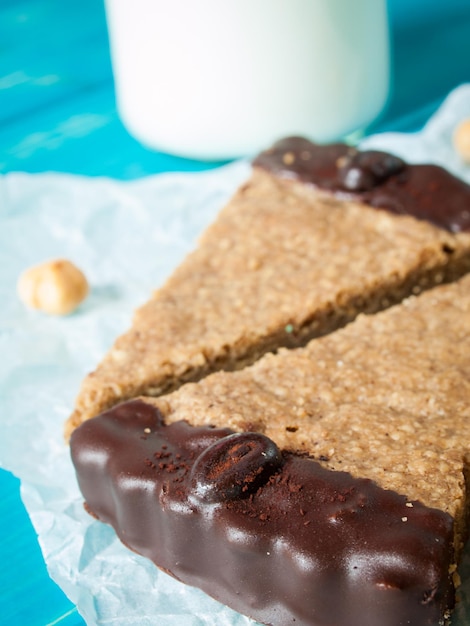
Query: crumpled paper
x=126 y=237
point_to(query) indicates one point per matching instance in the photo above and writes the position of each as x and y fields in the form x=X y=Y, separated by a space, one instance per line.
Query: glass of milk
x=219 y=79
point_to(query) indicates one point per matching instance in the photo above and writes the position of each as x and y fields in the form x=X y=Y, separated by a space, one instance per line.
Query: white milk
x=214 y=79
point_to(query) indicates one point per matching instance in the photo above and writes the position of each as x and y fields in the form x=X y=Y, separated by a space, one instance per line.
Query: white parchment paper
x=126 y=237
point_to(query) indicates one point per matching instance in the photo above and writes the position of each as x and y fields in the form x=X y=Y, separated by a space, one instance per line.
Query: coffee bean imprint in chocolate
x=362 y=171
x=308 y=545
x=379 y=179
x=234 y=467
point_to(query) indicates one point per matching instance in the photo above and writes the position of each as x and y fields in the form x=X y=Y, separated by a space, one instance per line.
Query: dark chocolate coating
x=300 y=545
x=379 y=179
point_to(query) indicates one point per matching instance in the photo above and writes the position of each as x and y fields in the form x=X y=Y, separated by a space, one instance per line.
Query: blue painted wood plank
x=48 y=55
x=91 y=141
x=429 y=60
x=27 y=595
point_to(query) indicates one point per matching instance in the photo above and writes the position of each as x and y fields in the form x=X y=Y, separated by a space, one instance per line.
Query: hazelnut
x=462 y=140
x=56 y=287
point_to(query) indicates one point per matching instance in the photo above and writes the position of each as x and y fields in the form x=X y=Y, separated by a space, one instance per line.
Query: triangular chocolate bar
x=298 y=252
x=342 y=499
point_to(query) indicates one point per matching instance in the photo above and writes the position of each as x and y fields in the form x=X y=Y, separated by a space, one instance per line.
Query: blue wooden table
x=58 y=112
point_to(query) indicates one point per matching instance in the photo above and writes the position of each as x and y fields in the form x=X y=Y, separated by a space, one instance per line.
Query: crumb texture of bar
x=281 y=264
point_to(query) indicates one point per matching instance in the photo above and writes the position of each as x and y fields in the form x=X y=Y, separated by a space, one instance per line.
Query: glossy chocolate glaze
x=271 y=534
x=381 y=180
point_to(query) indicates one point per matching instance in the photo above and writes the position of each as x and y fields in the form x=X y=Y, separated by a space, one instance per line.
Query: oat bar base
x=282 y=263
